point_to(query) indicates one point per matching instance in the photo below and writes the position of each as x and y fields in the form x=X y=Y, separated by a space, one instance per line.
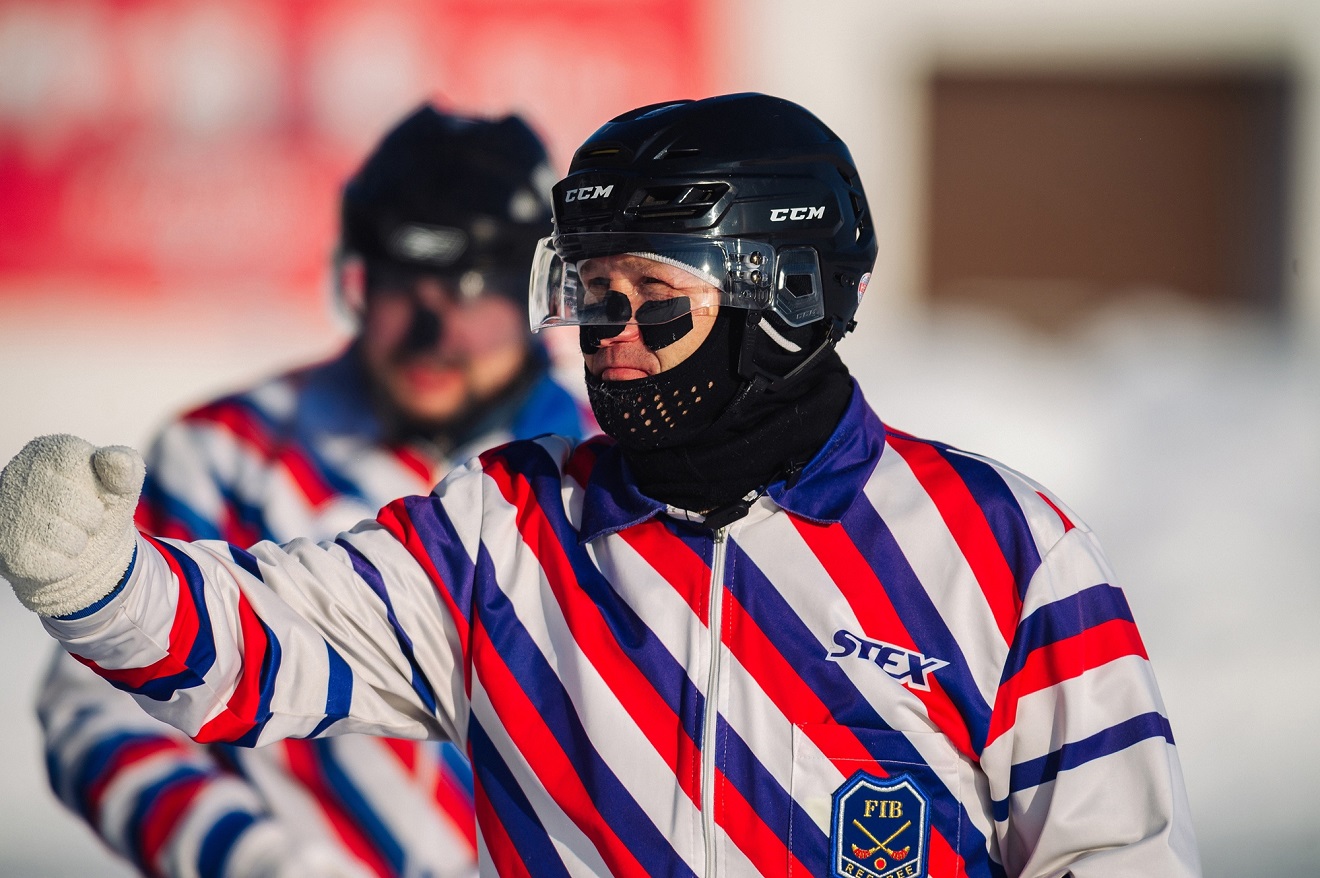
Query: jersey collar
x=822 y=492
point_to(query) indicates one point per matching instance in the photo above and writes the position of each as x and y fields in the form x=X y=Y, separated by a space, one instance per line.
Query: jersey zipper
x=709 y=719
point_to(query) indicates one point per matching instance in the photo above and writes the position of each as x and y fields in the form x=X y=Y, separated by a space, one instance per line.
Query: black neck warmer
x=713 y=437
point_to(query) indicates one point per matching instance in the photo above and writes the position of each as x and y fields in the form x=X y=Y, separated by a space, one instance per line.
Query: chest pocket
x=874 y=803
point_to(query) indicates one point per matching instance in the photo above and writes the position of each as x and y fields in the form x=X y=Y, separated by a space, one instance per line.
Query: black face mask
x=672 y=407
x=659 y=323
x=700 y=435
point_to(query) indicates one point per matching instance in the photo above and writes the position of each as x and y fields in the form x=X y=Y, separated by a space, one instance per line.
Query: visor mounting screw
x=755 y=277
x=754 y=258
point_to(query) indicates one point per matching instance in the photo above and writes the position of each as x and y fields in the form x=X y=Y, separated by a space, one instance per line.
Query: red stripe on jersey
x=583 y=460
x=183 y=633
x=245 y=427
x=554 y=770
x=1067 y=525
x=685 y=571
x=301 y=760
x=422 y=466
x=748 y=832
x=235 y=531
x=163 y=817
x=595 y=637
x=870 y=603
x=970 y=530
x=394 y=518
x=1063 y=660
x=125 y=757
x=506 y=858
x=407 y=752
x=240 y=713
x=798 y=702
x=452 y=801
x=456 y=807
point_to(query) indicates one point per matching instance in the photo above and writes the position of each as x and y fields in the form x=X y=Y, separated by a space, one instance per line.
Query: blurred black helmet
x=450 y=194
x=754 y=190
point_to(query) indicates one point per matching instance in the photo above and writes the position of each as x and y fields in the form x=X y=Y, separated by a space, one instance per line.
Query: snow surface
x=1190 y=444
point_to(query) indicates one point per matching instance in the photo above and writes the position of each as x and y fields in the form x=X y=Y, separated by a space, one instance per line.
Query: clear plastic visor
x=607 y=278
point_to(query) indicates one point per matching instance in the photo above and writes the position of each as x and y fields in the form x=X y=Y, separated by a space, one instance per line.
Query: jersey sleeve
x=1080 y=759
x=154 y=796
x=362 y=634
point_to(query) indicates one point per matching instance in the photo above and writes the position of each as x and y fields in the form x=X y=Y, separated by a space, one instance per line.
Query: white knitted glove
x=66 y=521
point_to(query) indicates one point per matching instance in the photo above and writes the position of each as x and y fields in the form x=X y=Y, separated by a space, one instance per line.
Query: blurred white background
x=1184 y=430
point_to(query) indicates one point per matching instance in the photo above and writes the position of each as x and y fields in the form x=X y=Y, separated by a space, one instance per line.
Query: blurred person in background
x=438 y=228
x=752 y=631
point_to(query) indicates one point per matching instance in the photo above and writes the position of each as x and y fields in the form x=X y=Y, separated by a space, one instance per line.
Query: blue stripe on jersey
x=543 y=687
x=145 y=803
x=270 y=668
x=612 y=501
x=371 y=576
x=60 y=772
x=346 y=791
x=218 y=843
x=918 y=614
x=246 y=513
x=428 y=517
x=108 y=596
x=771 y=802
x=165 y=505
x=279 y=437
x=1000 y=507
x=803 y=651
x=245 y=559
x=527 y=835
x=456 y=764
x=88 y=770
x=1118 y=737
x=338 y=690
x=1065 y=618
x=665 y=673
x=202 y=654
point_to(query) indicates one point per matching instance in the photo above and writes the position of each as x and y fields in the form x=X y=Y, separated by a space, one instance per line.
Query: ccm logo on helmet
x=779 y=214
x=586 y=193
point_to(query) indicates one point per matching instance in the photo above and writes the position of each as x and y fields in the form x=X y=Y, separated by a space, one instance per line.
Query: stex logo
x=879 y=828
x=907 y=666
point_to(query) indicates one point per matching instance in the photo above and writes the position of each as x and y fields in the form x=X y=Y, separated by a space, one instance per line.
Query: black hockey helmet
x=451 y=194
x=753 y=191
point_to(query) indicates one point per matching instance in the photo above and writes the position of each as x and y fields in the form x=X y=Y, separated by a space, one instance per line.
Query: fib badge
x=879 y=828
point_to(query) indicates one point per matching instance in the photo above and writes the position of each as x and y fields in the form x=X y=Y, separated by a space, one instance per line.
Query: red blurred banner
x=153 y=144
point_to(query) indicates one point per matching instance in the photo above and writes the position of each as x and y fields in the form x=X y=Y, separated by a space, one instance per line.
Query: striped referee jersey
x=910 y=661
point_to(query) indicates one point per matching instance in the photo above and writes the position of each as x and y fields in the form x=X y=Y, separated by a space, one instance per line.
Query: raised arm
x=223 y=643
x=160 y=800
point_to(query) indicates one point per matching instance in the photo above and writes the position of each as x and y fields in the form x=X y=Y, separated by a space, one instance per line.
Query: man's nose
x=425 y=329
x=630 y=331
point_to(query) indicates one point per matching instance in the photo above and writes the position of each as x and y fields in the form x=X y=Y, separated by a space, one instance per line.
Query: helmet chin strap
x=763 y=380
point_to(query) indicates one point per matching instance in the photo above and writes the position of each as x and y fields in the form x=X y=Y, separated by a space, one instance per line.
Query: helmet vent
x=680 y=153
x=687 y=201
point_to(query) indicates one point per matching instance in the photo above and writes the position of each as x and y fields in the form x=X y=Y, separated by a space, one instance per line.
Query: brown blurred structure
x=1052 y=194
